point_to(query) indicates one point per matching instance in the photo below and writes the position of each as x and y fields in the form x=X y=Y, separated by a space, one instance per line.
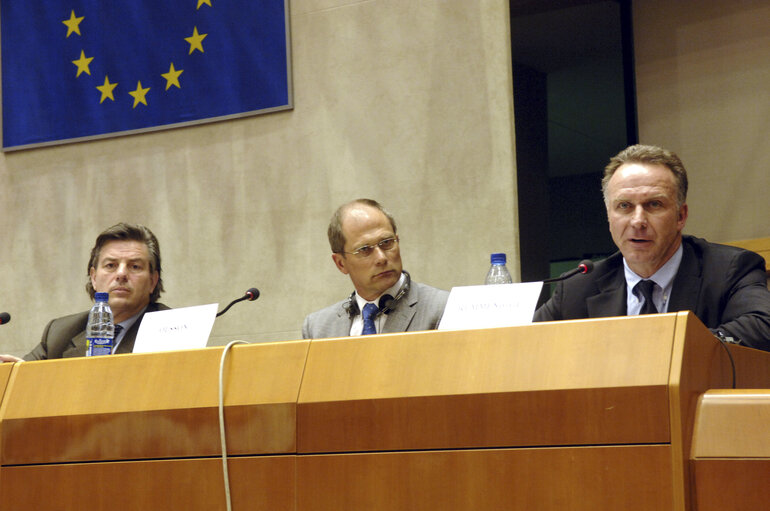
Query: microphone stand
x=251 y=294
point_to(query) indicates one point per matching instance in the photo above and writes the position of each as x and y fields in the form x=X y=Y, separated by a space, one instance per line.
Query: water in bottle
x=100 y=330
x=498 y=272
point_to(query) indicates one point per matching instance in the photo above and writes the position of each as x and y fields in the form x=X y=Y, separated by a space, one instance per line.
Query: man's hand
x=10 y=358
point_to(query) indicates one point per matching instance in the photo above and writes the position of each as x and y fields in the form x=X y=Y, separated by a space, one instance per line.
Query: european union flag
x=94 y=68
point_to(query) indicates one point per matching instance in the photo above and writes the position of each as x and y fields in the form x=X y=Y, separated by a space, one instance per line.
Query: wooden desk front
x=593 y=414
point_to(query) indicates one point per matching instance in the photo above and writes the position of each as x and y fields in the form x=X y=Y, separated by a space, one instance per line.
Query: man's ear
x=340 y=262
x=682 y=218
x=91 y=274
x=155 y=279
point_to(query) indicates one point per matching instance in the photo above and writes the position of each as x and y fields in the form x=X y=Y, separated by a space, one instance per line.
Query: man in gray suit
x=125 y=262
x=365 y=246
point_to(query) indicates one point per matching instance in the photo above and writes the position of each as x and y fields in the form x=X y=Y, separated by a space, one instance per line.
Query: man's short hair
x=128 y=232
x=336 y=238
x=650 y=155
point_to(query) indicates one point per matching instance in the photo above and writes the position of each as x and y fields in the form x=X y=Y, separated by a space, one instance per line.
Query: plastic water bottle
x=100 y=330
x=498 y=272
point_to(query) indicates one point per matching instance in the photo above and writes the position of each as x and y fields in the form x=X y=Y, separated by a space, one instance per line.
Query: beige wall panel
x=406 y=102
x=702 y=69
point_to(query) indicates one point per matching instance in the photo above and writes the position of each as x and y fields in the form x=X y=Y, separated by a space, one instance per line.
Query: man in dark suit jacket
x=66 y=337
x=365 y=246
x=125 y=262
x=645 y=189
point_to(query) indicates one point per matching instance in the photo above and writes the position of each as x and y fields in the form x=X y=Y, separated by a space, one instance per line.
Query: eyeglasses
x=367 y=250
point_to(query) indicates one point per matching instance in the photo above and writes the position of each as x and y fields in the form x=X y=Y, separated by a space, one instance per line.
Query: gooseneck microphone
x=4 y=318
x=251 y=294
x=585 y=266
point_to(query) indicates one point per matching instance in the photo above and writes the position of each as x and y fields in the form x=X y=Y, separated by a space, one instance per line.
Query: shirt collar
x=664 y=277
x=126 y=324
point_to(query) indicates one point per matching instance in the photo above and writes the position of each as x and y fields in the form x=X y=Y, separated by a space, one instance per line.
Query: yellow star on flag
x=201 y=2
x=139 y=94
x=172 y=77
x=195 y=41
x=83 y=63
x=73 y=24
x=107 y=89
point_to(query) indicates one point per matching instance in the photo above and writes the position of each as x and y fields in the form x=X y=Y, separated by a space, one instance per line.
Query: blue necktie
x=370 y=311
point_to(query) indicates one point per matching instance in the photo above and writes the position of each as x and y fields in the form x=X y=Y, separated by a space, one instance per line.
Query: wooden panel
x=731 y=448
x=576 y=478
x=5 y=374
x=568 y=395
x=695 y=348
x=704 y=365
x=157 y=405
x=571 y=382
x=570 y=417
x=192 y=484
x=732 y=485
x=733 y=424
x=752 y=368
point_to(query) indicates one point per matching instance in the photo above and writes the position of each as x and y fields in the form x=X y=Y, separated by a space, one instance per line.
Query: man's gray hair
x=651 y=155
x=336 y=238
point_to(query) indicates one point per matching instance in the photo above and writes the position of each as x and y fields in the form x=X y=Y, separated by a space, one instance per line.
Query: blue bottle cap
x=498 y=258
x=101 y=297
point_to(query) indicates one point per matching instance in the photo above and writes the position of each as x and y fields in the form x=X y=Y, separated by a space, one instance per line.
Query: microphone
x=251 y=294
x=585 y=266
x=4 y=318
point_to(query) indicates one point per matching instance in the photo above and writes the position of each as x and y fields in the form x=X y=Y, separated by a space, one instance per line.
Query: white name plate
x=490 y=306
x=176 y=329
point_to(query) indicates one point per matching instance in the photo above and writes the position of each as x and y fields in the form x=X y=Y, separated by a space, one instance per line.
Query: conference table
x=615 y=413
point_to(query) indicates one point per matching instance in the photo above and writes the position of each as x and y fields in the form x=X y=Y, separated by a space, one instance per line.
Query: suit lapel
x=611 y=300
x=340 y=326
x=401 y=316
x=687 y=283
x=127 y=344
x=78 y=346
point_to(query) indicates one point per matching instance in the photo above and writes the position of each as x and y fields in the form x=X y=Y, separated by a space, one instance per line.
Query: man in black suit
x=657 y=268
x=125 y=262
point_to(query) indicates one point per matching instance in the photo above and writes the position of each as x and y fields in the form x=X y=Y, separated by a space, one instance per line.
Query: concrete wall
x=406 y=102
x=703 y=78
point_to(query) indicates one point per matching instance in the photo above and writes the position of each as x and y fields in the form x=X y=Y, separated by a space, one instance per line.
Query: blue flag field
x=79 y=69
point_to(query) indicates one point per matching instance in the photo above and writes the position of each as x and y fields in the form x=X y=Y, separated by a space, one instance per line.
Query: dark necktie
x=645 y=287
x=118 y=329
x=369 y=312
